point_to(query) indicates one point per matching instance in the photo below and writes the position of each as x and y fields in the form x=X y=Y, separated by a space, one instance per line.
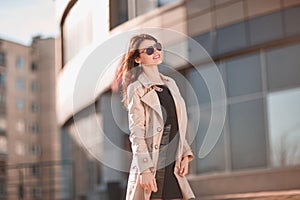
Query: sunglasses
x=150 y=50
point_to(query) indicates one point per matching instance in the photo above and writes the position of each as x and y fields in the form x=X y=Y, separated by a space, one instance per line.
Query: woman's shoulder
x=134 y=87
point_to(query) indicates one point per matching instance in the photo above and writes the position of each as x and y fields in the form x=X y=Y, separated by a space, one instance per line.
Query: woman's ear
x=137 y=60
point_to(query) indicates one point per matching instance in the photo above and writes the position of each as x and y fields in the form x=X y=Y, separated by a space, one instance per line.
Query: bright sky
x=20 y=20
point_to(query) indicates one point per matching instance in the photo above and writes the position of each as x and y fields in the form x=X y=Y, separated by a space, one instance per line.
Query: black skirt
x=168 y=187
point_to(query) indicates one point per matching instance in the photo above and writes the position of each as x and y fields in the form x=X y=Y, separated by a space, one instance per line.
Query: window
x=2 y=59
x=266 y=28
x=2 y=188
x=3 y=145
x=34 y=67
x=3 y=123
x=36 y=192
x=20 y=62
x=20 y=84
x=164 y=2
x=20 y=125
x=2 y=99
x=20 y=148
x=118 y=12
x=35 y=107
x=247 y=134
x=225 y=40
x=243 y=75
x=20 y=104
x=35 y=150
x=2 y=79
x=35 y=170
x=283 y=67
x=35 y=128
x=284 y=127
x=35 y=86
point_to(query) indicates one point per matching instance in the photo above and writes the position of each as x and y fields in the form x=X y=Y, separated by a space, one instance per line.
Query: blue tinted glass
x=231 y=38
x=266 y=28
x=247 y=134
x=291 y=20
x=243 y=75
x=207 y=42
x=283 y=67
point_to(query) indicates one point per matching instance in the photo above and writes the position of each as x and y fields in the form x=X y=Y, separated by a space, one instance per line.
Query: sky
x=20 y=20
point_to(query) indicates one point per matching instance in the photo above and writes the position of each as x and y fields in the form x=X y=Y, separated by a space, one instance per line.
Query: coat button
x=145 y=159
x=156 y=146
x=158 y=129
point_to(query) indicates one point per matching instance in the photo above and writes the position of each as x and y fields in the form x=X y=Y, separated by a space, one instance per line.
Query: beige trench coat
x=146 y=126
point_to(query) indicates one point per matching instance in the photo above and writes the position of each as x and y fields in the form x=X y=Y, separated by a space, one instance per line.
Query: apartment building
x=30 y=145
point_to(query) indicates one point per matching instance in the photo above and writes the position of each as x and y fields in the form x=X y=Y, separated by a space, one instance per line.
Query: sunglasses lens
x=158 y=46
x=150 y=51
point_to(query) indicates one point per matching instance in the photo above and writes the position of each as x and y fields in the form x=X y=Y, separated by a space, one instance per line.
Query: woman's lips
x=156 y=56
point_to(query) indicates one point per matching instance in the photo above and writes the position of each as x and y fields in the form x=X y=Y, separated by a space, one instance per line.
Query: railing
x=51 y=180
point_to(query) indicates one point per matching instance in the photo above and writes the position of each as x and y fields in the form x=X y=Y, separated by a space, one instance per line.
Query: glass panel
x=2 y=79
x=20 y=84
x=34 y=107
x=20 y=104
x=265 y=28
x=35 y=86
x=35 y=150
x=144 y=6
x=2 y=59
x=20 y=125
x=231 y=38
x=283 y=67
x=291 y=20
x=20 y=62
x=3 y=145
x=199 y=86
x=164 y=2
x=284 y=127
x=207 y=42
x=118 y=12
x=215 y=160
x=243 y=75
x=247 y=134
x=20 y=148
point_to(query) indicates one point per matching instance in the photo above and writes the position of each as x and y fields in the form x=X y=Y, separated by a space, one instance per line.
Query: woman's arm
x=141 y=156
x=136 y=117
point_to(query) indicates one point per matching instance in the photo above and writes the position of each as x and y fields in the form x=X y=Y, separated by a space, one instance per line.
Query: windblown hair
x=128 y=70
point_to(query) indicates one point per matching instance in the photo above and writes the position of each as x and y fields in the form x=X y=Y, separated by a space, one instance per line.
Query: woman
x=157 y=123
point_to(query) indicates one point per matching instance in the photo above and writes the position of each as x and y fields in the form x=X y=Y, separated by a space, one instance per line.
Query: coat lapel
x=152 y=100
x=150 y=97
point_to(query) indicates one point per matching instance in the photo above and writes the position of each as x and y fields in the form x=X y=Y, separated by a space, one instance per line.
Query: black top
x=168 y=187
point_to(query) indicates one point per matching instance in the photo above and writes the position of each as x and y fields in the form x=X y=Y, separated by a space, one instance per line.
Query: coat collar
x=147 y=83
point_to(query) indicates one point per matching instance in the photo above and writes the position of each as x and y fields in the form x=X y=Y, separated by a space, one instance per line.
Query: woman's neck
x=152 y=74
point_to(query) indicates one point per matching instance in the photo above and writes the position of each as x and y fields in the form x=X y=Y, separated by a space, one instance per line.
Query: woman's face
x=144 y=58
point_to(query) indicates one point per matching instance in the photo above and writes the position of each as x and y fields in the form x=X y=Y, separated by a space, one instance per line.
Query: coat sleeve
x=136 y=117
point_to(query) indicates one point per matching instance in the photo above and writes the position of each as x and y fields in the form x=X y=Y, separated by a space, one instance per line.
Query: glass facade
x=259 y=64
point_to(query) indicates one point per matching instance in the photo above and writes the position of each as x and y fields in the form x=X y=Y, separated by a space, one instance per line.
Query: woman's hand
x=184 y=166
x=147 y=181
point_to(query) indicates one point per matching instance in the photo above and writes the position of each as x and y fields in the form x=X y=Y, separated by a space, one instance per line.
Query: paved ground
x=288 y=197
x=271 y=197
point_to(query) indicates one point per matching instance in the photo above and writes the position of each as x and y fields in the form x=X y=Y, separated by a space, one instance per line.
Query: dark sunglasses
x=150 y=50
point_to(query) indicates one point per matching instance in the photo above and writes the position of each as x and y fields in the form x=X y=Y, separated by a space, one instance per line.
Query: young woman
x=157 y=123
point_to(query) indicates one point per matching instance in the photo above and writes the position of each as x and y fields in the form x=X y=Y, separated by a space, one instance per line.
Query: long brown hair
x=128 y=70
